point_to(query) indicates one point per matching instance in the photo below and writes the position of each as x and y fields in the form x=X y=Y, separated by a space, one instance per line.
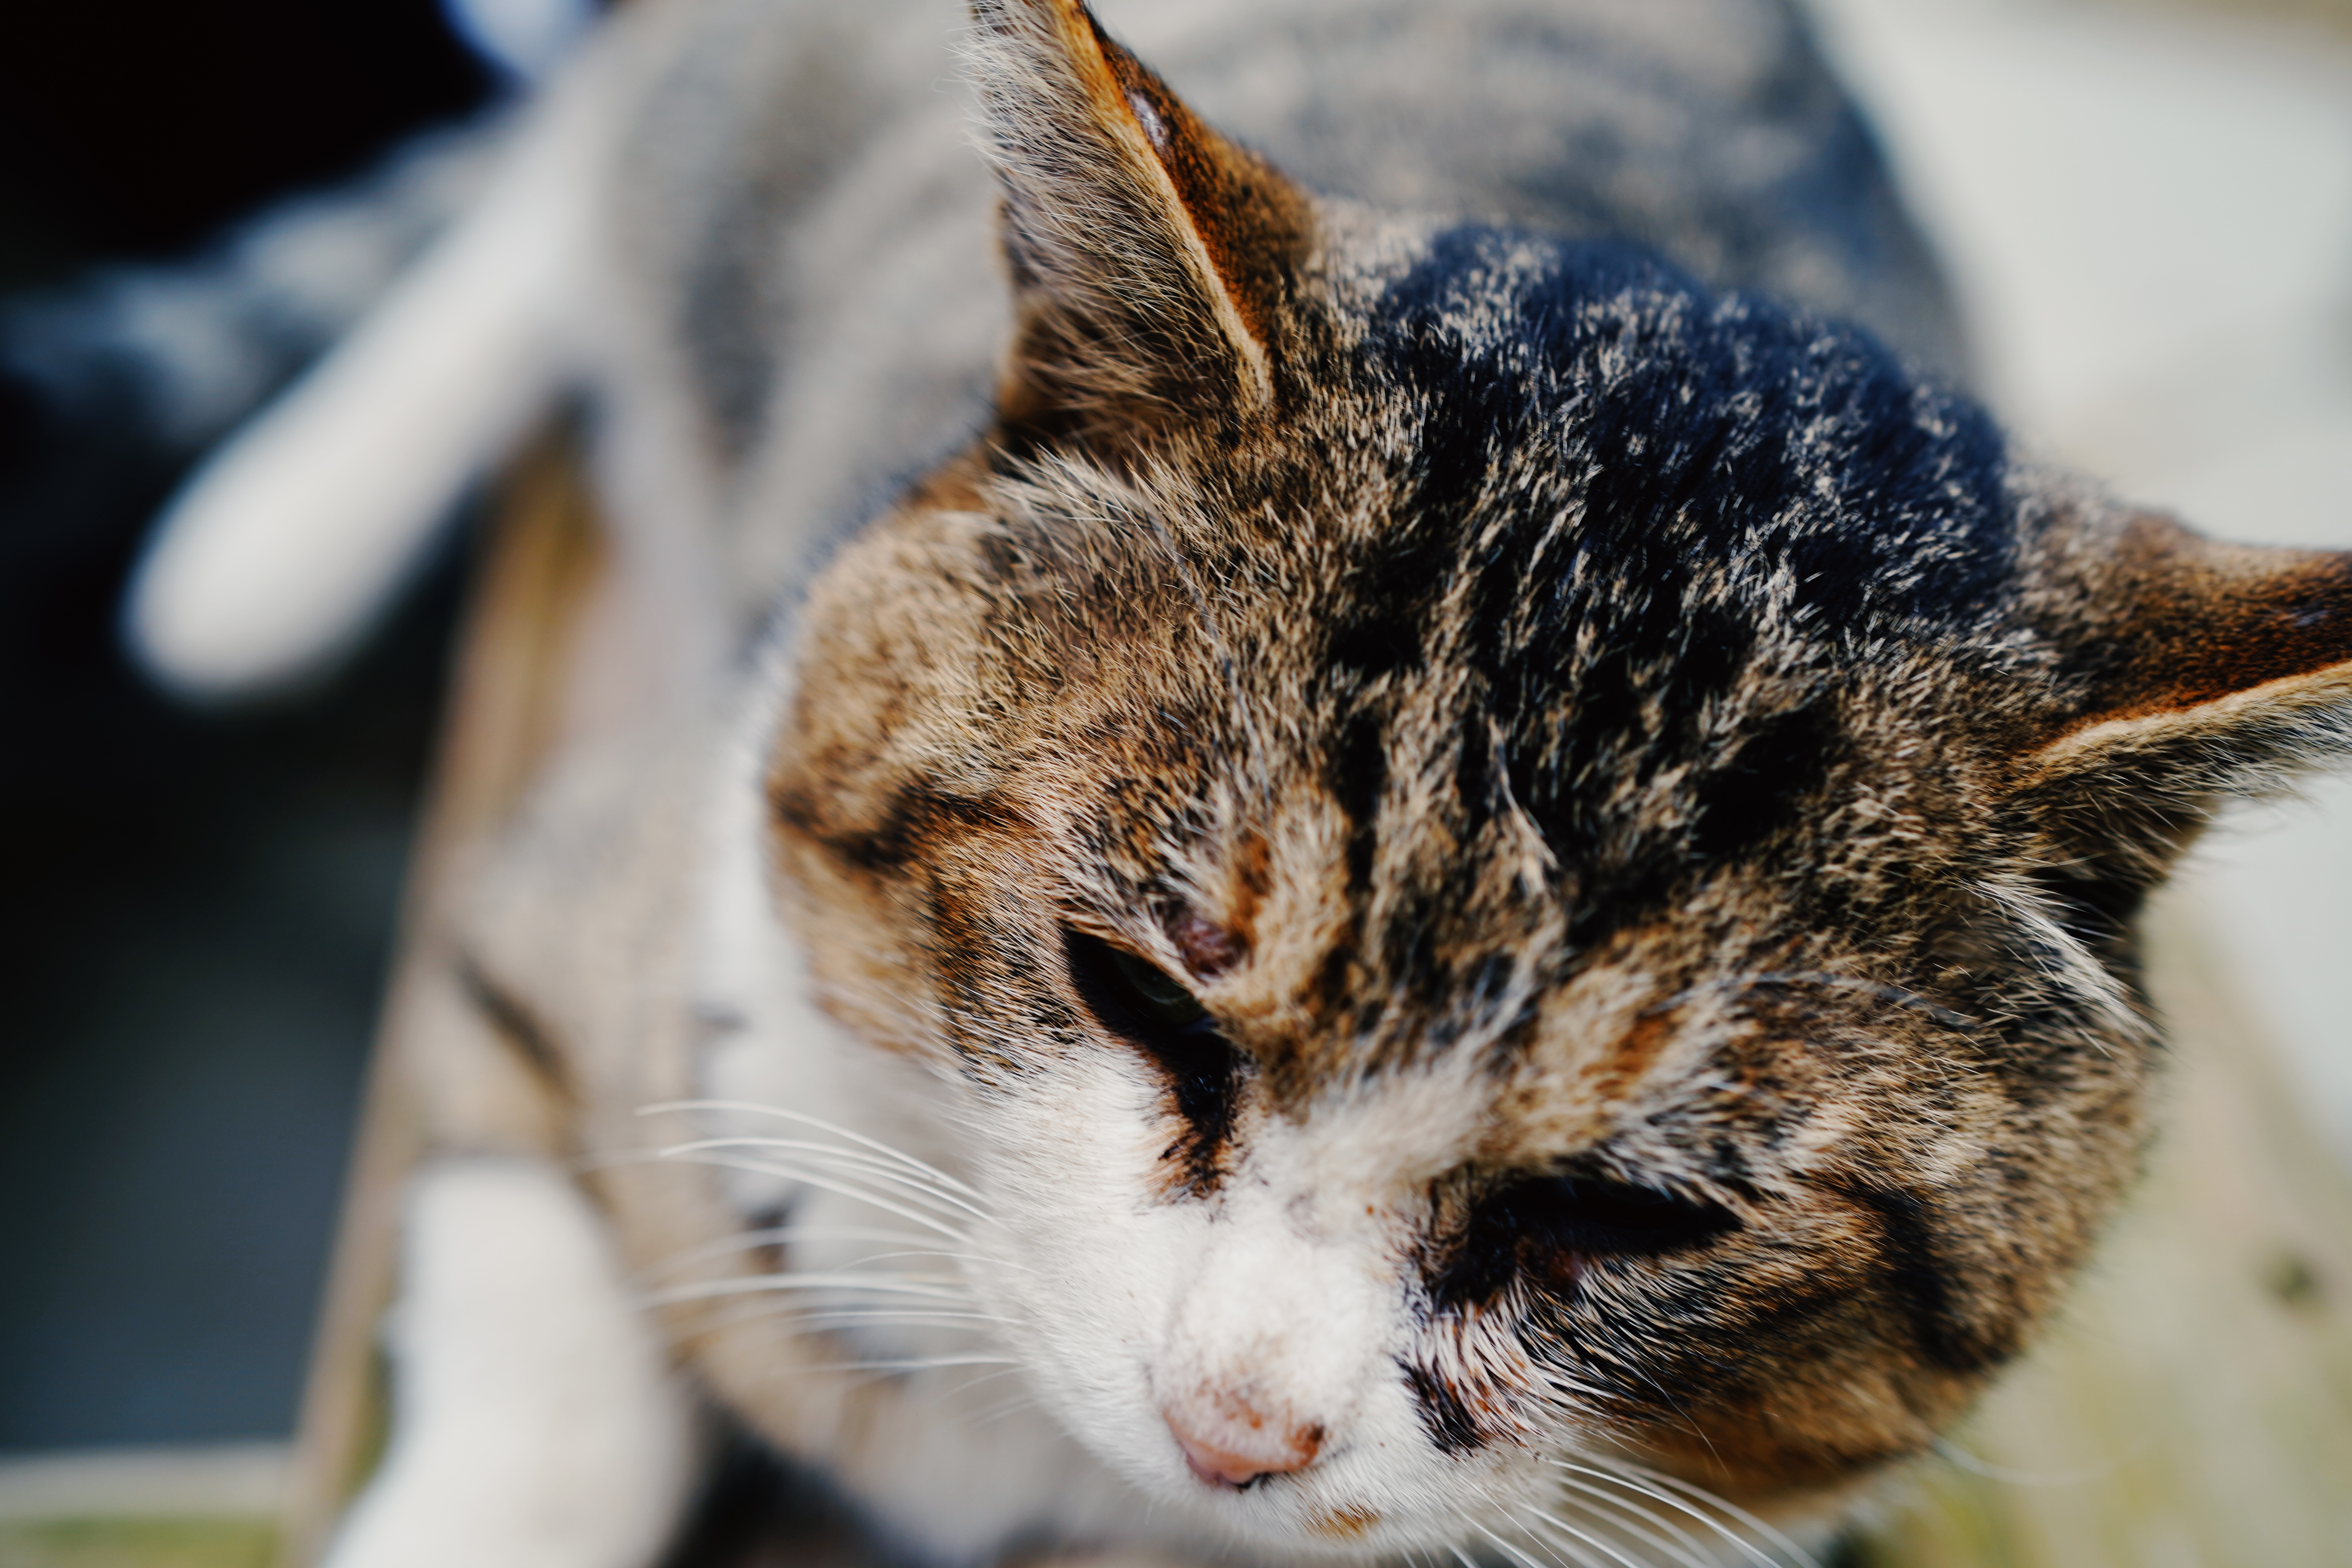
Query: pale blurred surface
x=2147 y=212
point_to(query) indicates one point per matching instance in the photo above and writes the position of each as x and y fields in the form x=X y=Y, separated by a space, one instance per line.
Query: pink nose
x=1234 y=1445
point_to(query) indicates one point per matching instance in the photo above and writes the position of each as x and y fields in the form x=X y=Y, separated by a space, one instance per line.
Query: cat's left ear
x=1151 y=259
x=2200 y=671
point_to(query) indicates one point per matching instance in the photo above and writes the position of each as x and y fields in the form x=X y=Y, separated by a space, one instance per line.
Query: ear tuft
x=1151 y=257
x=2195 y=671
x=2190 y=621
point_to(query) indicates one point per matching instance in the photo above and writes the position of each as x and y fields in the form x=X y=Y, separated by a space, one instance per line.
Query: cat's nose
x=1233 y=1444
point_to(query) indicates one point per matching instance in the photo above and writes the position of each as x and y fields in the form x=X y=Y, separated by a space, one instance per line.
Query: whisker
x=804 y=1317
x=865 y=1164
x=1002 y=1409
x=1638 y=1520
x=1795 y=1552
x=1599 y=1545
x=802 y=1314
x=845 y=1317
x=755 y=1284
x=1560 y=1382
x=1025 y=1396
x=980 y=1258
x=809 y=1320
x=916 y=1364
x=843 y=1165
x=781 y=1236
x=1557 y=1548
x=614 y=1159
x=1636 y=1483
x=811 y=1178
x=1746 y=1548
x=1951 y=1453
x=751 y=1109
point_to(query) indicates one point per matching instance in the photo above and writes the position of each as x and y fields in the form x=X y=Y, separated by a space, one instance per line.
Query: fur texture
x=1443 y=881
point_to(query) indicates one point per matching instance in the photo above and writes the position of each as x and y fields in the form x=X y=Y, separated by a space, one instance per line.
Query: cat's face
x=1515 y=862
x=1476 y=925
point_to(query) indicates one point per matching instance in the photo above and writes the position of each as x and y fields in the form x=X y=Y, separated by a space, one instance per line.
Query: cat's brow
x=1824 y=978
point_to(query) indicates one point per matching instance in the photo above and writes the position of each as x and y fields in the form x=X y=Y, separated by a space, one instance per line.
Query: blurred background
x=2146 y=204
x=195 y=907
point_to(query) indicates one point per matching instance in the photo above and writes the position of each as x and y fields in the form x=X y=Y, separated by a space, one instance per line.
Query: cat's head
x=1515 y=861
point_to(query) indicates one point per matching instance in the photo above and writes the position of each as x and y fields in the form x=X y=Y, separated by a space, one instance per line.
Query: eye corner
x=1208 y=949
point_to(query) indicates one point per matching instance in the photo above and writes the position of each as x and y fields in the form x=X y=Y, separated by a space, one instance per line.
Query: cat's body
x=769 y=215
x=1417 y=872
x=802 y=213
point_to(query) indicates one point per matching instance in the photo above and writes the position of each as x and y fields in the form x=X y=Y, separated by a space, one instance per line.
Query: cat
x=1446 y=869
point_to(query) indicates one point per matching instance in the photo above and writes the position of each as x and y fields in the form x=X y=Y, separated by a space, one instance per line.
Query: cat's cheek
x=1073 y=1176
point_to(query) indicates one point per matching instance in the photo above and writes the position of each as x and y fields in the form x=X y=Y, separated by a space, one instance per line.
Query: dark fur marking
x=514 y=1023
x=1687 y=433
x=1758 y=792
x=2099 y=903
x=1717 y=644
x=1922 y=1288
x=1545 y=1229
x=1359 y=775
x=1377 y=645
x=914 y=822
x=976 y=958
x=1203 y=1071
x=1474 y=779
x=1452 y=1426
x=1479 y=1265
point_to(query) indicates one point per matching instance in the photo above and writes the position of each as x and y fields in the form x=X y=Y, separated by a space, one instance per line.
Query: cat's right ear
x=1151 y=259
x=2199 y=671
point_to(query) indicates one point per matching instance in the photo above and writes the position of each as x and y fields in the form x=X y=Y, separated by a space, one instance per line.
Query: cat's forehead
x=1593 y=390
x=1637 y=603
x=1398 y=928
x=1584 y=505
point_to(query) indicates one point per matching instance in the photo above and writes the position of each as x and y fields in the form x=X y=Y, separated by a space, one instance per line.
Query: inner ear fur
x=2195 y=671
x=1150 y=257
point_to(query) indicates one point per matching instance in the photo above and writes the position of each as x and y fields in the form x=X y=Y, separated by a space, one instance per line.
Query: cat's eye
x=1133 y=997
x=1548 y=1227
x=1153 y=1010
x=1598 y=1217
x=1157 y=993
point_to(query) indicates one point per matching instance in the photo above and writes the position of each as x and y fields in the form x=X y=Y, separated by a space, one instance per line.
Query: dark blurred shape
x=195 y=910
x=757 y=1512
x=194 y=916
x=140 y=125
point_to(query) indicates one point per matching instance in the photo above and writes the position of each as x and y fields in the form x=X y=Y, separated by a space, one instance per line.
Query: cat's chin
x=1304 y=1519
x=1508 y=1508
x=1365 y=1504
x=1306 y=1522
